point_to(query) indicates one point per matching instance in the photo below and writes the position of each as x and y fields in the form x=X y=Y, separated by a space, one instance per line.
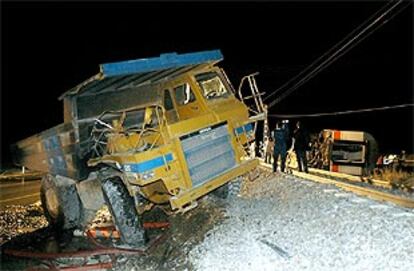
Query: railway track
x=351 y=178
x=10 y=175
x=353 y=184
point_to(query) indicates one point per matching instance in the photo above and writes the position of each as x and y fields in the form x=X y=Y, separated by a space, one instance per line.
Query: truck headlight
x=147 y=175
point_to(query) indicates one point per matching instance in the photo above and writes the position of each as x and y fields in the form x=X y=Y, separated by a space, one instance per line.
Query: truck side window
x=211 y=85
x=183 y=94
x=168 y=103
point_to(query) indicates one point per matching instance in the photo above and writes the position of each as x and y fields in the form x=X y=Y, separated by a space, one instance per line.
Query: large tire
x=122 y=208
x=91 y=198
x=235 y=187
x=221 y=192
x=60 y=202
x=229 y=190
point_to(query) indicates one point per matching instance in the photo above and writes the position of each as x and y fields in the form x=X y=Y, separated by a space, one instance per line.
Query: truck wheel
x=222 y=192
x=122 y=208
x=235 y=187
x=60 y=202
x=229 y=190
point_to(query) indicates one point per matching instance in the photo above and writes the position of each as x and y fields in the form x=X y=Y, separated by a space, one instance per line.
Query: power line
x=356 y=39
x=340 y=52
x=318 y=69
x=326 y=53
x=331 y=59
x=340 y=112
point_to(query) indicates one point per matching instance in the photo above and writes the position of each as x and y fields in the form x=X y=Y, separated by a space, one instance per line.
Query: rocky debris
x=294 y=224
x=19 y=219
x=398 y=178
x=102 y=218
x=281 y=222
x=186 y=231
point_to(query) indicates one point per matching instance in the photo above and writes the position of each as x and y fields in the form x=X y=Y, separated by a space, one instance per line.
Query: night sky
x=47 y=48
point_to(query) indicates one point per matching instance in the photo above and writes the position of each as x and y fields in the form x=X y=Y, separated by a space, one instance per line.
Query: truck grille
x=208 y=152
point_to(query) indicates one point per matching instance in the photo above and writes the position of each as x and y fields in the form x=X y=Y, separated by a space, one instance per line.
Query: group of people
x=279 y=140
x=321 y=148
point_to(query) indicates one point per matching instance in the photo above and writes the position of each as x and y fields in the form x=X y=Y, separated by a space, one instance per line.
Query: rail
x=356 y=189
x=352 y=178
x=20 y=175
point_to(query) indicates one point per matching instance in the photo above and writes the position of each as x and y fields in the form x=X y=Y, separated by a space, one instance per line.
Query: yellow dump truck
x=159 y=131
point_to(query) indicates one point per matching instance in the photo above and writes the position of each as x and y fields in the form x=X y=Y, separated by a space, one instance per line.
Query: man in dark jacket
x=280 y=135
x=301 y=143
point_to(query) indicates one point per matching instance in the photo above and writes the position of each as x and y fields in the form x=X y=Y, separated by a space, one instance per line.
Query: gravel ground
x=20 y=219
x=282 y=223
x=278 y=223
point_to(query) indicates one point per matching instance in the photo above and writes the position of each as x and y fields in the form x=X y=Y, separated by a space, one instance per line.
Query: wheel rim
x=52 y=203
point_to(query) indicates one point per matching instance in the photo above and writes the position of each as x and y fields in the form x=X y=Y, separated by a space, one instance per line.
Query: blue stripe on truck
x=239 y=130
x=147 y=165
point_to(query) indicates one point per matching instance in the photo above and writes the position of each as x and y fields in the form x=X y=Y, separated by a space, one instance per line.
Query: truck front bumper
x=199 y=191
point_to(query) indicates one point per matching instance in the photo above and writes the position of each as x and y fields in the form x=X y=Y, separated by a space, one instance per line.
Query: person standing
x=280 y=149
x=253 y=149
x=300 y=145
x=285 y=125
x=315 y=153
x=269 y=150
x=326 y=149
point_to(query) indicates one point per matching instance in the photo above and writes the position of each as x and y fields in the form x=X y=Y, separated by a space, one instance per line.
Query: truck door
x=188 y=106
x=171 y=113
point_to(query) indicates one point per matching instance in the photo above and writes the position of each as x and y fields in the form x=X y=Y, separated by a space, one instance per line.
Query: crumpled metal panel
x=209 y=153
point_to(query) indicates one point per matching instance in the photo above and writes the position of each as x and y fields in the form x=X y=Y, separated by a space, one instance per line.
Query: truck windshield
x=211 y=85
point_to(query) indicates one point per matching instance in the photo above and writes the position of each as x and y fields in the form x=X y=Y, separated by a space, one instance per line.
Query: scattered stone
x=319 y=230
x=278 y=222
x=343 y=195
x=19 y=219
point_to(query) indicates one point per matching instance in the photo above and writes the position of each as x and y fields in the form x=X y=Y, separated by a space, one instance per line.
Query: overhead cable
x=326 y=53
x=356 y=39
x=329 y=61
x=287 y=116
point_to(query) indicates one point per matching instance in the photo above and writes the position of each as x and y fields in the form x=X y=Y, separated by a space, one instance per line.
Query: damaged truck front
x=160 y=131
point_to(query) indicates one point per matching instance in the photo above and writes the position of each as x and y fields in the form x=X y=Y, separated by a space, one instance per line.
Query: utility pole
x=266 y=132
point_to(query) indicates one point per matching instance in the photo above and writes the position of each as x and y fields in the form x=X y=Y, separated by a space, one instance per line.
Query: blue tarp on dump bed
x=120 y=75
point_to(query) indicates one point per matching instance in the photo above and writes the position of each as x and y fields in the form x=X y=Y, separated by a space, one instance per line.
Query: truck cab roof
x=132 y=73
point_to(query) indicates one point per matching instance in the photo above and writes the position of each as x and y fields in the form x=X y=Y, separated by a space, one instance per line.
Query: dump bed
x=55 y=151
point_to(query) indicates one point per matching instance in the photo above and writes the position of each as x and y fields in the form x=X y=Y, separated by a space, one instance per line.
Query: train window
x=348 y=152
